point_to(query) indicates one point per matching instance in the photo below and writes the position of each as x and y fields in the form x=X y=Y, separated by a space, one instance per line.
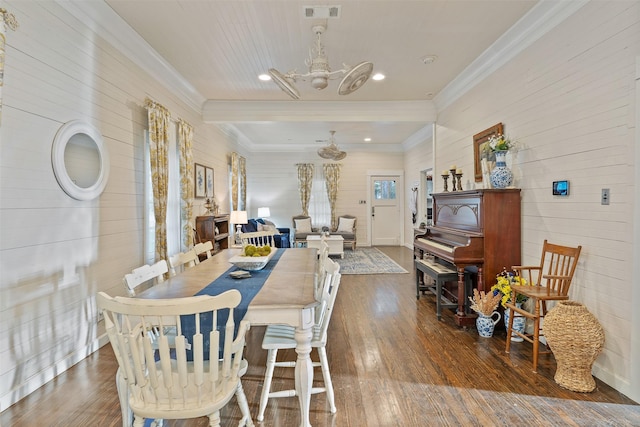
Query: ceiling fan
x=320 y=73
x=332 y=151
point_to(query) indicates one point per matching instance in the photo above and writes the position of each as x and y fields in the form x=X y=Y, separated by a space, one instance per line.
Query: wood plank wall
x=569 y=100
x=56 y=252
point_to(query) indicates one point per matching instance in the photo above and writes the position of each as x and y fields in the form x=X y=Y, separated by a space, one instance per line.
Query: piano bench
x=440 y=274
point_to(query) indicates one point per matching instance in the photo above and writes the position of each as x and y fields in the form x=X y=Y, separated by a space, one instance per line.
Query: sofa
x=281 y=236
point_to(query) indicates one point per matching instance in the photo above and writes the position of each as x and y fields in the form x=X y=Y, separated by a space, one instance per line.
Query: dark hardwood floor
x=392 y=364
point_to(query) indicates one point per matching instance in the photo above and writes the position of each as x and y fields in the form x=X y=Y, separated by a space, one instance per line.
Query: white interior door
x=385 y=211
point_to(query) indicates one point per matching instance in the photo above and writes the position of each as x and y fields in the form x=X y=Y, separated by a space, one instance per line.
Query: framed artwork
x=200 y=182
x=209 y=181
x=479 y=140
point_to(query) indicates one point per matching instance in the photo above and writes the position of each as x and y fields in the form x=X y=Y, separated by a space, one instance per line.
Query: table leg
x=304 y=373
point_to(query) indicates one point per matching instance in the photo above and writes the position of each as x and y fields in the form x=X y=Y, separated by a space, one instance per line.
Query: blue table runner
x=248 y=288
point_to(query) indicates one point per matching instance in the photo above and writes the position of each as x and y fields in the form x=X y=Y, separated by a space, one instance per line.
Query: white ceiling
x=219 y=47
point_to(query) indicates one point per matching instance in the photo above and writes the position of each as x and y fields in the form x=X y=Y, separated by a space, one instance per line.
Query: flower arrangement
x=498 y=142
x=484 y=303
x=505 y=280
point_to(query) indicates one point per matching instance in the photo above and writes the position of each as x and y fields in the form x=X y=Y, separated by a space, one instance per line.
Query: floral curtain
x=238 y=182
x=8 y=20
x=305 y=180
x=159 y=118
x=185 y=142
x=242 y=203
x=332 y=177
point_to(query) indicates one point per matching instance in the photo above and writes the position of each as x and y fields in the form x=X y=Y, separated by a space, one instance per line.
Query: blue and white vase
x=501 y=176
x=518 y=323
x=486 y=324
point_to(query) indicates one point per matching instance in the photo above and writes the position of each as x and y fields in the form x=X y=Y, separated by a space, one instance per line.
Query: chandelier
x=320 y=73
x=332 y=151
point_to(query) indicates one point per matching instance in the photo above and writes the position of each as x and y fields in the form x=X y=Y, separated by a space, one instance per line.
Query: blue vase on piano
x=501 y=176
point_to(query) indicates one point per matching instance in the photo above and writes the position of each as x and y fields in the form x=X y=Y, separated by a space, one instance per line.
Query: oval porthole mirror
x=80 y=160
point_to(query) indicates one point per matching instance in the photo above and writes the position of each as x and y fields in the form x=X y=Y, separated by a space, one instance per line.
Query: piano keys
x=474 y=228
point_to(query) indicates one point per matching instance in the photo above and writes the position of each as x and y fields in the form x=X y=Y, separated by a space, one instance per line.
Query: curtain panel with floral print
x=332 y=178
x=305 y=181
x=159 y=118
x=185 y=142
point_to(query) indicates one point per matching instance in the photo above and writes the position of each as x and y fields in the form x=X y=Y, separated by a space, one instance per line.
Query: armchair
x=347 y=229
x=302 y=228
x=281 y=234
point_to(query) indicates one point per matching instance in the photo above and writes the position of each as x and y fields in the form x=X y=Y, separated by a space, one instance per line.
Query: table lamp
x=264 y=213
x=238 y=218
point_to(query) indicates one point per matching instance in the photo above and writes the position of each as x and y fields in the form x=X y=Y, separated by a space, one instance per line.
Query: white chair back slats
x=204 y=248
x=144 y=274
x=182 y=260
x=166 y=381
x=323 y=256
x=258 y=238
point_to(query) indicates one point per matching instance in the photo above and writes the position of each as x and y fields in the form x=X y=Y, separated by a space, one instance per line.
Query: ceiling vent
x=321 y=12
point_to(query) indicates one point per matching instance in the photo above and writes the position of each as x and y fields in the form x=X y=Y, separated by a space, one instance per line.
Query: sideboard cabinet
x=215 y=229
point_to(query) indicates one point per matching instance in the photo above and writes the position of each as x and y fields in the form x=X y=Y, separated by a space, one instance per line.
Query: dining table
x=286 y=297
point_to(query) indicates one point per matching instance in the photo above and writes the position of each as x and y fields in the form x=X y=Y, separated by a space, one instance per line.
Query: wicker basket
x=576 y=338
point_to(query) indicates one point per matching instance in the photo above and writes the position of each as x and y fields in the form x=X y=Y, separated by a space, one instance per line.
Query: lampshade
x=238 y=217
x=264 y=213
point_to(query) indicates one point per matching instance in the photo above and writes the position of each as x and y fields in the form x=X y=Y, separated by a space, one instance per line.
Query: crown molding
x=102 y=20
x=541 y=19
x=421 y=136
x=337 y=111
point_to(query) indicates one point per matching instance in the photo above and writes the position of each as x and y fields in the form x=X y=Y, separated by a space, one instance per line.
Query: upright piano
x=473 y=228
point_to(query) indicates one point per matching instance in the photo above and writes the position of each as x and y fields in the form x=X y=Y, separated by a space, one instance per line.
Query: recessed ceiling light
x=264 y=77
x=367 y=139
x=378 y=76
x=429 y=59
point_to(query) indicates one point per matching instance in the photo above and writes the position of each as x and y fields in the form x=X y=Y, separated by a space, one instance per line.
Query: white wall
x=569 y=99
x=416 y=159
x=57 y=252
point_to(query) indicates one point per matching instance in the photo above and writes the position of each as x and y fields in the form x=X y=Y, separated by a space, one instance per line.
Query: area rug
x=367 y=261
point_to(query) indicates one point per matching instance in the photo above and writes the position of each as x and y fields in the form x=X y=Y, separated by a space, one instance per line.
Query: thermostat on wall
x=560 y=188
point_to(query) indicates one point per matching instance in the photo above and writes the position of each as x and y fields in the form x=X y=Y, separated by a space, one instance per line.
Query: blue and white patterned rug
x=367 y=261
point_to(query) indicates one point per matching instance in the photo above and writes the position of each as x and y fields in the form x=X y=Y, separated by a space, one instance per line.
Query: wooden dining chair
x=182 y=260
x=175 y=382
x=204 y=248
x=145 y=274
x=549 y=281
x=258 y=238
x=279 y=337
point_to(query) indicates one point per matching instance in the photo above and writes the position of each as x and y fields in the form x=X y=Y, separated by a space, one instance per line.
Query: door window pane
x=384 y=189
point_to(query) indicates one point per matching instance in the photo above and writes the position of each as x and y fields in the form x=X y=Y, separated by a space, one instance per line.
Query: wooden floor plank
x=392 y=363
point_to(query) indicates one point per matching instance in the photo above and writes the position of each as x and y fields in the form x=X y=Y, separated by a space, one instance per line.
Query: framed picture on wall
x=479 y=140
x=200 y=182
x=209 y=181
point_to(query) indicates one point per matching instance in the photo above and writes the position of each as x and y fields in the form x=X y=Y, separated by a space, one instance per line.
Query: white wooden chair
x=278 y=337
x=258 y=238
x=204 y=248
x=323 y=256
x=164 y=384
x=144 y=274
x=182 y=260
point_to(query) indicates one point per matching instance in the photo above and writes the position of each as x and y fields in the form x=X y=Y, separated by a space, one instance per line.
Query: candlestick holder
x=445 y=177
x=453 y=178
x=459 y=179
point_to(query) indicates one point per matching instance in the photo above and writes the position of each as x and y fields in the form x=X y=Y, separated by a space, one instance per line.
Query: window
x=319 y=209
x=174 y=228
x=384 y=189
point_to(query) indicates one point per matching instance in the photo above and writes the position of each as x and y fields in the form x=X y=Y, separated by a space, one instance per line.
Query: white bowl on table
x=252 y=263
